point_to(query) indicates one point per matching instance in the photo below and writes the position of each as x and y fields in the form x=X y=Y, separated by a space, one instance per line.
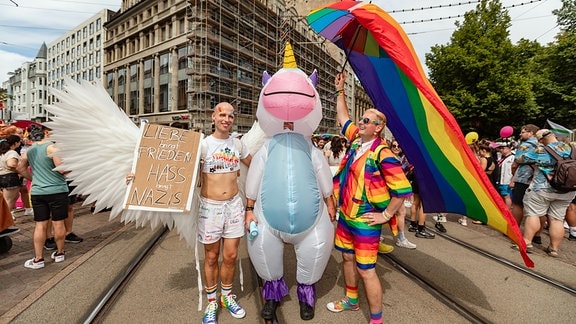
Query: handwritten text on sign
x=165 y=169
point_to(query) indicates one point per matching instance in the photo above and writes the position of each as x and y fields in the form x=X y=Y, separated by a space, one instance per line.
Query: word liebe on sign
x=165 y=169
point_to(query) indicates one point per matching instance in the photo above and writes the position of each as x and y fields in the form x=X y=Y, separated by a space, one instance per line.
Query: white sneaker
x=439 y=217
x=12 y=213
x=405 y=244
x=462 y=221
x=29 y=212
x=32 y=264
x=57 y=257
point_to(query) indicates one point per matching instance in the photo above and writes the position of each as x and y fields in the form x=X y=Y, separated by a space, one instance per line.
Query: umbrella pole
x=350 y=49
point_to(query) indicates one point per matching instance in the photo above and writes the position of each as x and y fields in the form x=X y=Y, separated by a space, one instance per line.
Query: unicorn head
x=289 y=101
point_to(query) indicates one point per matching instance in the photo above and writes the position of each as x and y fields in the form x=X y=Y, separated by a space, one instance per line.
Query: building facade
x=26 y=90
x=79 y=53
x=174 y=60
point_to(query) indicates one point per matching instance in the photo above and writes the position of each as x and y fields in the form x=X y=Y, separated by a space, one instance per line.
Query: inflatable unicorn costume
x=288 y=180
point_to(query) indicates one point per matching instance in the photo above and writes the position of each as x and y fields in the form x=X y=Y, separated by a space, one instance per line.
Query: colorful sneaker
x=57 y=257
x=341 y=305
x=385 y=248
x=405 y=244
x=33 y=264
x=229 y=302
x=210 y=313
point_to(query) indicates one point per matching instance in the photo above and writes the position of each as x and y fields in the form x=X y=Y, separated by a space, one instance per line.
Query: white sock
x=573 y=230
x=401 y=236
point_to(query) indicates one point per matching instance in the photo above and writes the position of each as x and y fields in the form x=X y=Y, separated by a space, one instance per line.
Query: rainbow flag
x=448 y=173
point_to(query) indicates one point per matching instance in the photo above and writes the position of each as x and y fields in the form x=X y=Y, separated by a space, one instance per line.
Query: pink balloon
x=506 y=131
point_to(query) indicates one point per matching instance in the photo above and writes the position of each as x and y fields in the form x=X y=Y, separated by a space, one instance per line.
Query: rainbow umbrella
x=448 y=173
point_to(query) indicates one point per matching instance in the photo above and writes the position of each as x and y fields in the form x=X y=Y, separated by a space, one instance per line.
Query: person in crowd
x=505 y=162
x=401 y=240
x=489 y=164
x=49 y=196
x=221 y=216
x=336 y=152
x=417 y=216
x=571 y=220
x=541 y=199
x=221 y=157
x=369 y=188
x=10 y=172
x=6 y=220
x=523 y=174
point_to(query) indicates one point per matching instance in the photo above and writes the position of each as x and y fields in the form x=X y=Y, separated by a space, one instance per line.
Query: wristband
x=386 y=215
x=249 y=208
x=339 y=93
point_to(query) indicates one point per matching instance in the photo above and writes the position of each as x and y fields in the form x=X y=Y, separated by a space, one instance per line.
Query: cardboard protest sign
x=165 y=169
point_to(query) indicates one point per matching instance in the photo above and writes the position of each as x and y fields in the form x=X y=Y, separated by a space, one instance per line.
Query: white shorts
x=543 y=203
x=220 y=219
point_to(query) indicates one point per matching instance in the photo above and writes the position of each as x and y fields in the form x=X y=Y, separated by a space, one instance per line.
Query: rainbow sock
x=352 y=294
x=211 y=293
x=226 y=289
x=376 y=318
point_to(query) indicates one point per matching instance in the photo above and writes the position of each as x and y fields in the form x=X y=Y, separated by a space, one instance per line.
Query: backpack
x=564 y=176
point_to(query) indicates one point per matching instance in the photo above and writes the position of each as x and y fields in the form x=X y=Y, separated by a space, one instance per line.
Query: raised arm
x=341 y=106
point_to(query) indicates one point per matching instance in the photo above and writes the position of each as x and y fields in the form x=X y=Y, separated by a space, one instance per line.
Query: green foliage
x=484 y=80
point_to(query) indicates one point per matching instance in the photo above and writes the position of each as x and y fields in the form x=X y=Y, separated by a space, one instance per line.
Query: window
x=133 y=102
x=98 y=24
x=98 y=75
x=98 y=41
x=97 y=57
x=164 y=63
x=110 y=77
x=134 y=72
x=148 y=103
x=163 y=97
x=91 y=28
x=122 y=101
x=182 y=58
x=148 y=68
x=84 y=32
x=91 y=75
x=121 y=77
x=182 y=96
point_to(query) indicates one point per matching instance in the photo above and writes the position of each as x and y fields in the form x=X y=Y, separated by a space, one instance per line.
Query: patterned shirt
x=545 y=163
x=524 y=171
x=359 y=184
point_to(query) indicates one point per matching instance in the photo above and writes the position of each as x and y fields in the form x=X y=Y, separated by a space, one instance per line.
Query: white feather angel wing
x=97 y=142
x=254 y=140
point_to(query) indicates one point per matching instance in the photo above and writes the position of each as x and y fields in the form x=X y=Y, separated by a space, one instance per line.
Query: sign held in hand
x=165 y=169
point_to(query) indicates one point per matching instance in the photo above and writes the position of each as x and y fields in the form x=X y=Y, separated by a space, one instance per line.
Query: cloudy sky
x=23 y=28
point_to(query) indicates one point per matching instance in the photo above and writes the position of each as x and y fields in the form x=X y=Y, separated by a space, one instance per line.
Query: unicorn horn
x=289 y=59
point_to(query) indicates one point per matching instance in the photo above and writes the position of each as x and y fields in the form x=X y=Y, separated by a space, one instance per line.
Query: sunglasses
x=395 y=146
x=367 y=120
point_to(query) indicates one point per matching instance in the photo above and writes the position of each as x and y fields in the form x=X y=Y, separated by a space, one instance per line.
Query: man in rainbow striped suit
x=370 y=187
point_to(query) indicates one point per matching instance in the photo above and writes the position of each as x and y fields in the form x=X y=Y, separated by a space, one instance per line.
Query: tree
x=480 y=75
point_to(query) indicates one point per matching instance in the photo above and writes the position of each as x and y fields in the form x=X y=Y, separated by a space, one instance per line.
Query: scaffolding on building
x=231 y=43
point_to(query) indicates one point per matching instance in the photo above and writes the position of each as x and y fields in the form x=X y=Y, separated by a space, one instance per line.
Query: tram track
x=421 y=277
x=101 y=305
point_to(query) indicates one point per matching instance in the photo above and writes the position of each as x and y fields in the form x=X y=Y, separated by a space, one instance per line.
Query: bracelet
x=249 y=208
x=339 y=92
x=386 y=215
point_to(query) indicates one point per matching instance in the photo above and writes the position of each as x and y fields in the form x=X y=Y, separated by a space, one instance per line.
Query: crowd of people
x=374 y=184
x=27 y=161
